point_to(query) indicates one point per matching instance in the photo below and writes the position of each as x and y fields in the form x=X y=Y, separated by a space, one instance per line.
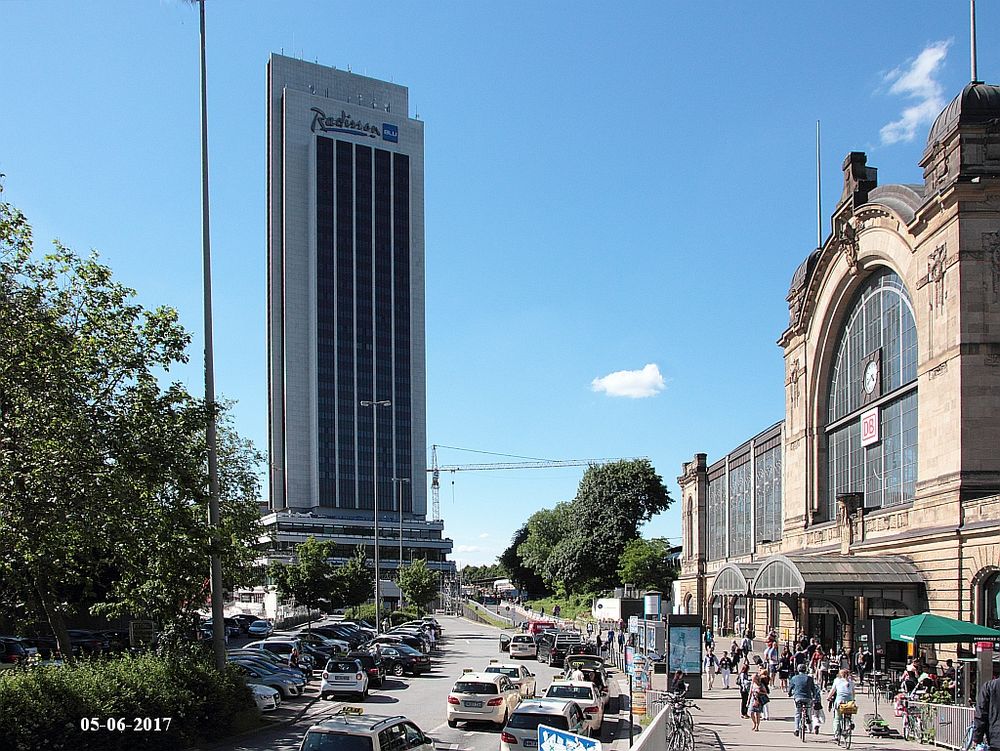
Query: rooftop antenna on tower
x=972 y=33
x=819 y=194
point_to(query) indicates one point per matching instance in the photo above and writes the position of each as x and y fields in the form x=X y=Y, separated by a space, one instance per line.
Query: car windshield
x=341 y=667
x=316 y=741
x=475 y=687
x=569 y=692
x=509 y=672
x=525 y=721
x=405 y=649
x=259 y=624
x=522 y=640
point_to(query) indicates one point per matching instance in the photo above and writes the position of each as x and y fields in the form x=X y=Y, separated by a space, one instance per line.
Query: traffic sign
x=550 y=739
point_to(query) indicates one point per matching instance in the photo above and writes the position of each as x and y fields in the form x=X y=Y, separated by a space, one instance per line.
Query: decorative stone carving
x=938 y=371
x=936 y=264
x=794 y=373
x=847 y=242
x=991 y=251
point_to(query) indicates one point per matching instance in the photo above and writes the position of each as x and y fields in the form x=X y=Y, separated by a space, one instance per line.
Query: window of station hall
x=879 y=328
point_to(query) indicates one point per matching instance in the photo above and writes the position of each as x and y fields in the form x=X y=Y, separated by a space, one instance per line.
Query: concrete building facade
x=881 y=496
x=345 y=292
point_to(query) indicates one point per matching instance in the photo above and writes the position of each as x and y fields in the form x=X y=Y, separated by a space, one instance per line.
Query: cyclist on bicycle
x=802 y=688
x=842 y=691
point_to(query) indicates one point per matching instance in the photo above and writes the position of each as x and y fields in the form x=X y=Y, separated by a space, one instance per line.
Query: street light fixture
x=374 y=405
x=399 y=496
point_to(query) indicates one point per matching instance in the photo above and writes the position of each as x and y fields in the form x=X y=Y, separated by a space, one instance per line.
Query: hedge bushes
x=45 y=707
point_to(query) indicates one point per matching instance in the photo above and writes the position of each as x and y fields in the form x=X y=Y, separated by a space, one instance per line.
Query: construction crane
x=530 y=463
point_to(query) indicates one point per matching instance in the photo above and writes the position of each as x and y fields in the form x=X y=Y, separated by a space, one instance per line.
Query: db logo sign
x=869 y=427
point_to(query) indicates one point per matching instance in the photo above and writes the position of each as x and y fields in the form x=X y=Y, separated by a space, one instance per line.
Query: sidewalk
x=718 y=726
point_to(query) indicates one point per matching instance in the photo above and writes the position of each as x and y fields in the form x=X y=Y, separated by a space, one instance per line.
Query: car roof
x=363 y=723
x=482 y=677
x=504 y=665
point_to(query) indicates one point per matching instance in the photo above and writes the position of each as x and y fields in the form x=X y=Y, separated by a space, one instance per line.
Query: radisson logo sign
x=344 y=123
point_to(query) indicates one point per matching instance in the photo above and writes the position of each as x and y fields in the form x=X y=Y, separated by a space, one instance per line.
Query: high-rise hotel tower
x=345 y=194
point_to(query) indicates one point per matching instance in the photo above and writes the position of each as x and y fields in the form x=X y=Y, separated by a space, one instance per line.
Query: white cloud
x=916 y=79
x=635 y=384
x=468 y=549
x=484 y=535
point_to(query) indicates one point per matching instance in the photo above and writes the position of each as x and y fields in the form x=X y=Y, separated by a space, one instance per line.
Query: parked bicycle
x=680 y=724
x=913 y=721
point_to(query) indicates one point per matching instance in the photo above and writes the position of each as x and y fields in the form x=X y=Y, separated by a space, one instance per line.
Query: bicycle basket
x=848 y=708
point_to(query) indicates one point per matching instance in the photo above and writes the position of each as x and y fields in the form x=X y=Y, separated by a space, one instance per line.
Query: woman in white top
x=843 y=690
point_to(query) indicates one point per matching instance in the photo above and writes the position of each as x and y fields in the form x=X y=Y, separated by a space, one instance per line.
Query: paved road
x=423 y=699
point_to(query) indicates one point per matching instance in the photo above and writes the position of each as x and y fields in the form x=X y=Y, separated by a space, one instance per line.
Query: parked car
x=365 y=732
x=119 y=640
x=586 y=695
x=537 y=627
x=394 y=639
x=12 y=653
x=344 y=676
x=518 y=675
x=323 y=643
x=521 y=730
x=482 y=697
x=283 y=648
x=244 y=620
x=253 y=673
x=552 y=648
x=593 y=671
x=400 y=659
x=260 y=628
x=373 y=666
x=275 y=665
x=353 y=637
x=522 y=645
x=231 y=626
x=268 y=699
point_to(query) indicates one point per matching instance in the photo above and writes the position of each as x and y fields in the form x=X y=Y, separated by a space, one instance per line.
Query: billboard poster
x=684 y=644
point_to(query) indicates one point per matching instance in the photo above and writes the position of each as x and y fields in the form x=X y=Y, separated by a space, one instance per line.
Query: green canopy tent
x=928 y=628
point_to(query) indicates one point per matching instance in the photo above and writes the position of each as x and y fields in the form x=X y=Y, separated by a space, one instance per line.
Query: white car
x=586 y=695
x=268 y=699
x=523 y=645
x=344 y=676
x=482 y=697
x=518 y=674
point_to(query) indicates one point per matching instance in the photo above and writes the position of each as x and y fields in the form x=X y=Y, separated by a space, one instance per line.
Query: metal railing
x=655 y=702
x=946 y=725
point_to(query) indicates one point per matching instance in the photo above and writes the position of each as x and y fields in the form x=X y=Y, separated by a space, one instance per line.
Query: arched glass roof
x=800 y=574
x=733 y=579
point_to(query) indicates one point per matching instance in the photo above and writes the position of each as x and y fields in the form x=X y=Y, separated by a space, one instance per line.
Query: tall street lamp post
x=374 y=405
x=399 y=496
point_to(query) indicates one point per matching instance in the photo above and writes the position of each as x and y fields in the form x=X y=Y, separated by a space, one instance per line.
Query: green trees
x=103 y=475
x=645 y=564
x=576 y=546
x=483 y=573
x=419 y=584
x=316 y=583
x=519 y=572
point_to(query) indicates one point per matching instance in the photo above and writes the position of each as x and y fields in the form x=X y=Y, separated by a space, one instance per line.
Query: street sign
x=550 y=739
x=141 y=633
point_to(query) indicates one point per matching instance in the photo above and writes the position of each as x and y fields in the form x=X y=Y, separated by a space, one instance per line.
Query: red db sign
x=869 y=427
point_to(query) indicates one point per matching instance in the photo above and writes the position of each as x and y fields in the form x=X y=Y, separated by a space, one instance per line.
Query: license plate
x=342 y=678
x=476 y=704
x=530 y=743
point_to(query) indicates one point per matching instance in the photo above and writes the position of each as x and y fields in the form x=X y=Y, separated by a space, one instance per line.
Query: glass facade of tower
x=363 y=323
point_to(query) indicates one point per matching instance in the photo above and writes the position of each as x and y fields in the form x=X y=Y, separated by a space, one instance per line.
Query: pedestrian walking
x=785 y=665
x=736 y=652
x=725 y=668
x=709 y=639
x=711 y=665
x=986 y=727
x=758 y=697
x=765 y=681
x=743 y=684
x=746 y=645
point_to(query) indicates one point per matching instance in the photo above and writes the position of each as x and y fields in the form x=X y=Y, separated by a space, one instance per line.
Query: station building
x=878 y=494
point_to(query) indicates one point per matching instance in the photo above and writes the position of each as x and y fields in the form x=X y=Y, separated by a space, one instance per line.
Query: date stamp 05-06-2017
x=125 y=724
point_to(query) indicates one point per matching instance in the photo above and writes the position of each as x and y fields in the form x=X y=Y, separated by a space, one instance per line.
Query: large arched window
x=875 y=367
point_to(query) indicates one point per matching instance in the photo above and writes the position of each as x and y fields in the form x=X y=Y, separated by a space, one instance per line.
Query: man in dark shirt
x=802 y=688
x=986 y=728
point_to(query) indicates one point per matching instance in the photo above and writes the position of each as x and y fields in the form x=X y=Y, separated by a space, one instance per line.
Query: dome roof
x=801 y=275
x=977 y=103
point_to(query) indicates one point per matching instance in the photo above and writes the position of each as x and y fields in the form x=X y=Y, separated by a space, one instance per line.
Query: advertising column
x=684 y=643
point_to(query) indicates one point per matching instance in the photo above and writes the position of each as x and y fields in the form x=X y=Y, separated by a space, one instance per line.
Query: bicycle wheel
x=804 y=724
x=846 y=734
x=907 y=728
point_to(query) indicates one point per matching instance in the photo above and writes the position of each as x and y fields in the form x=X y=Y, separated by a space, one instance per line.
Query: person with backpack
x=711 y=665
x=986 y=726
x=746 y=645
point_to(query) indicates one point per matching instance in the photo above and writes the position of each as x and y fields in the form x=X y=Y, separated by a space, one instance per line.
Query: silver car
x=521 y=730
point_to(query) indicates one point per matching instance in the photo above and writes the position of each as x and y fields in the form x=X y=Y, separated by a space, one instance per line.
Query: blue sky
x=608 y=189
